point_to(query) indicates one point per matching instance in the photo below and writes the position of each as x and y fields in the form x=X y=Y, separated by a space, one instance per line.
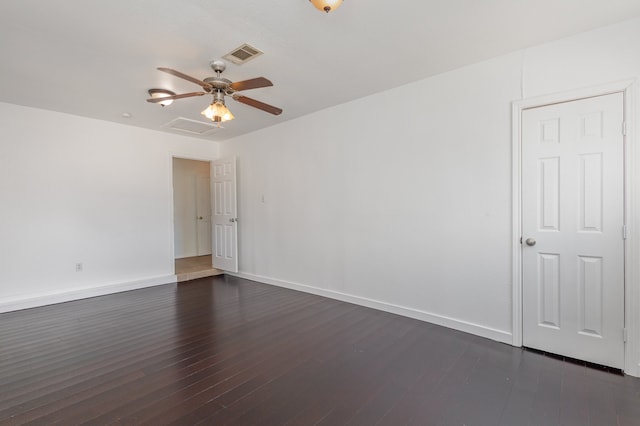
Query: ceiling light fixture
x=161 y=93
x=326 y=5
x=218 y=111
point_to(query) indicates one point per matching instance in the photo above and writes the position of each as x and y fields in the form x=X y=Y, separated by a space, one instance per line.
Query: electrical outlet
x=78 y=267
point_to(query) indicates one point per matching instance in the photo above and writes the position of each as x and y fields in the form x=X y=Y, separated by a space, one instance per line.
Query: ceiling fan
x=220 y=87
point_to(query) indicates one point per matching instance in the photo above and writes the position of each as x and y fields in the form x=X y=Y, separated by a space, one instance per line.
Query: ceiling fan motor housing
x=218 y=83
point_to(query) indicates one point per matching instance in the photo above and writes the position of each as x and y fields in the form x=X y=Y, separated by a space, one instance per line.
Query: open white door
x=572 y=220
x=224 y=217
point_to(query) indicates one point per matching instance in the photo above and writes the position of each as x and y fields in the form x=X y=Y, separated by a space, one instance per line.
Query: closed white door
x=203 y=214
x=572 y=220
x=225 y=220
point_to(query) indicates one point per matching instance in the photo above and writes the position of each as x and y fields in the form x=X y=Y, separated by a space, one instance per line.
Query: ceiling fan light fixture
x=219 y=87
x=218 y=112
x=161 y=93
x=326 y=5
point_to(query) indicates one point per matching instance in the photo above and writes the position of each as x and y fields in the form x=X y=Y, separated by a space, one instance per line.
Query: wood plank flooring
x=223 y=350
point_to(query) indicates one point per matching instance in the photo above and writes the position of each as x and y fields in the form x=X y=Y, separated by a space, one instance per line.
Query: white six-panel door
x=224 y=217
x=572 y=220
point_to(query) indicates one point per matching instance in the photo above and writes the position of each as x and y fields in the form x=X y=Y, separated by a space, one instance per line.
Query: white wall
x=76 y=190
x=597 y=57
x=185 y=176
x=412 y=212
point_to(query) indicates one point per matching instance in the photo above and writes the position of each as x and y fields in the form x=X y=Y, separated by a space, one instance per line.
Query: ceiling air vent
x=242 y=54
x=193 y=127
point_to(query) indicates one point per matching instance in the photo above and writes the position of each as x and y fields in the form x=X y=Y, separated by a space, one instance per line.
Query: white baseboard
x=456 y=324
x=43 y=299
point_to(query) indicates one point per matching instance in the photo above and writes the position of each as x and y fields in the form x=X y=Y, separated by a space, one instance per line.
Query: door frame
x=629 y=89
x=172 y=230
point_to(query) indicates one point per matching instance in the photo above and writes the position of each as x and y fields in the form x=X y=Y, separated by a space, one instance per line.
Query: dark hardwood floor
x=223 y=350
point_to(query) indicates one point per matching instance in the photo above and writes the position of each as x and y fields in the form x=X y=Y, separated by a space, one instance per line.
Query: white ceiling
x=98 y=58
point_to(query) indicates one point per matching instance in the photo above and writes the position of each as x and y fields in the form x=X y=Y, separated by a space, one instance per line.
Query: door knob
x=530 y=242
x=200 y=217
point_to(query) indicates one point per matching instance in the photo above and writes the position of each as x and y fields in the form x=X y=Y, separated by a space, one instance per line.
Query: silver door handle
x=530 y=242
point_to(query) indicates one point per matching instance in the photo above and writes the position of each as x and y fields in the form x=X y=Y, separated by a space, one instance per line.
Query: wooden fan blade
x=183 y=95
x=254 y=83
x=257 y=104
x=186 y=77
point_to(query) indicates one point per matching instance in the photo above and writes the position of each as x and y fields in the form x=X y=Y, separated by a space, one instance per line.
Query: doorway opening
x=192 y=207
